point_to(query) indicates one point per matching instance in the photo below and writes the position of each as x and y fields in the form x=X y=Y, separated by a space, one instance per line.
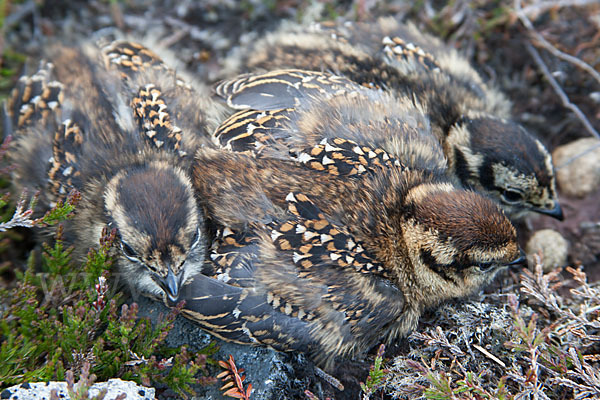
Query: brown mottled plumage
x=119 y=126
x=289 y=110
x=485 y=150
x=347 y=245
x=330 y=264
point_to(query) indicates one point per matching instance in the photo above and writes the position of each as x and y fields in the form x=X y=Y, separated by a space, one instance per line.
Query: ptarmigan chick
x=346 y=245
x=305 y=260
x=119 y=126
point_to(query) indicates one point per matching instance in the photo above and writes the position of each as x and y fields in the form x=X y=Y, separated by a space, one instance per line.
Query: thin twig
x=546 y=72
x=538 y=8
x=563 y=97
x=20 y=13
x=541 y=41
x=489 y=355
x=575 y=157
x=173 y=38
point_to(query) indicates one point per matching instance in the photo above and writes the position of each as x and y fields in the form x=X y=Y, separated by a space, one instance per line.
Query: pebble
x=552 y=247
x=578 y=167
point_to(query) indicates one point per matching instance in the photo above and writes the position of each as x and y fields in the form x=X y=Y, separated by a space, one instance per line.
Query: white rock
x=578 y=167
x=41 y=390
x=552 y=247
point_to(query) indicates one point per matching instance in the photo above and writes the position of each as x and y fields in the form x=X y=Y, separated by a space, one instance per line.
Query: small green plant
x=65 y=318
x=377 y=375
x=80 y=390
x=469 y=387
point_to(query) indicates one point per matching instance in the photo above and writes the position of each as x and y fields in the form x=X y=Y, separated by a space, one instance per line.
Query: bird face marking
x=460 y=240
x=154 y=210
x=515 y=189
x=501 y=159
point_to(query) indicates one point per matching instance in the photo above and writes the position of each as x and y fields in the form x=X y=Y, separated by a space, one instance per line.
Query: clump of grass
x=544 y=345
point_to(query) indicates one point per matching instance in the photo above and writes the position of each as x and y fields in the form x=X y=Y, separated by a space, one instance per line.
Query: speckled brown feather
x=152 y=115
x=328 y=263
x=396 y=57
x=360 y=115
x=64 y=174
x=131 y=58
x=34 y=100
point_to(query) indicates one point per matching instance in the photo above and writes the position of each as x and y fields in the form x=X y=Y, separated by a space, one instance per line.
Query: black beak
x=556 y=212
x=171 y=285
x=520 y=261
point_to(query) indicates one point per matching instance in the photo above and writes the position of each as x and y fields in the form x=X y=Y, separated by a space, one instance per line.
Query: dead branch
x=546 y=72
x=532 y=11
x=558 y=90
x=542 y=42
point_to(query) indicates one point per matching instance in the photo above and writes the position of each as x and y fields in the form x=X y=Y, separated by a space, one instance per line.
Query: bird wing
x=244 y=315
x=170 y=113
x=326 y=110
x=64 y=172
x=258 y=131
x=286 y=88
x=345 y=157
x=35 y=100
x=312 y=239
x=285 y=284
x=252 y=130
x=328 y=277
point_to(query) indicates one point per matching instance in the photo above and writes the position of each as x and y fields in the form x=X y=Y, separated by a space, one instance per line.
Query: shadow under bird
x=345 y=245
x=115 y=123
x=485 y=149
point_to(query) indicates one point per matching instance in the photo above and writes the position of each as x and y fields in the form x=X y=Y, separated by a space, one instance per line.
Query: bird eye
x=128 y=251
x=485 y=266
x=512 y=196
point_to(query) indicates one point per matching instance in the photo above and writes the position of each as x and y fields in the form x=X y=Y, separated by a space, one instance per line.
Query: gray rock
x=578 y=167
x=41 y=390
x=551 y=246
x=269 y=371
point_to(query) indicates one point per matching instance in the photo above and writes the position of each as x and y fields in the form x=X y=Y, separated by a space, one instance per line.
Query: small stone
x=551 y=246
x=578 y=167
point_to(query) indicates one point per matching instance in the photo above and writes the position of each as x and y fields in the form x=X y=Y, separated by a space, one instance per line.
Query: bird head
x=457 y=240
x=159 y=224
x=500 y=158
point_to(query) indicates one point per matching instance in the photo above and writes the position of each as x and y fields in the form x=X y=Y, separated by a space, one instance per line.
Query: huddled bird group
x=354 y=176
